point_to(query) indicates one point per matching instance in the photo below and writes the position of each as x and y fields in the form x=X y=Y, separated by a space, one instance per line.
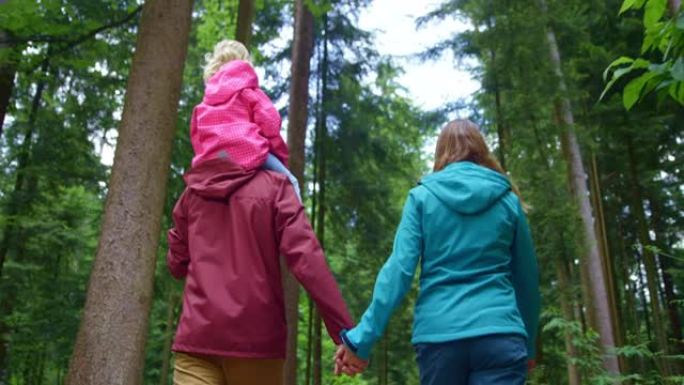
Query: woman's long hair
x=461 y=140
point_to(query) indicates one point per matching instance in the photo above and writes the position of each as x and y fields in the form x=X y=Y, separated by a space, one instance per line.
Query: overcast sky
x=430 y=84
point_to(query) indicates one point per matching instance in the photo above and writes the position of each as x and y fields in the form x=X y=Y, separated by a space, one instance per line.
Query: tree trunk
x=19 y=203
x=172 y=303
x=296 y=136
x=501 y=129
x=8 y=68
x=243 y=31
x=579 y=188
x=110 y=344
x=671 y=298
x=674 y=6
x=317 y=376
x=566 y=300
x=652 y=276
x=631 y=313
x=309 y=342
x=606 y=256
x=322 y=146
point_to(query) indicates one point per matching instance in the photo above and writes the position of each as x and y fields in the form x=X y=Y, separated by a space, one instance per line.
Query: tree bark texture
x=243 y=31
x=606 y=256
x=578 y=182
x=296 y=135
x=110 y=344
x=8 y=68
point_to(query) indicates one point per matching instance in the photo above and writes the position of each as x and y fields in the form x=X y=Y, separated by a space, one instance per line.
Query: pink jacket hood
x=230 y=79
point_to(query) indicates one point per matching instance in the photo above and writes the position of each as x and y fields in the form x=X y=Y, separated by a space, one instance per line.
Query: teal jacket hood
x=467 y=188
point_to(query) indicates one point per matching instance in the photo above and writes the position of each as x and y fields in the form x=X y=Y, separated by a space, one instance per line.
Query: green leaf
x=649 y=40
x=655 y=9
x=616 y=76
x=632 y=92
x=677 y=70
x=680 y=94
x=680 y=21
x=650 y=86
x=616 y=62
x=626 y=5
x=640 y=63
x=673 y=90
x=658 y=68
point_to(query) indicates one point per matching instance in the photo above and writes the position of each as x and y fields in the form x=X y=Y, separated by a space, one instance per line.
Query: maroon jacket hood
x=217 y=178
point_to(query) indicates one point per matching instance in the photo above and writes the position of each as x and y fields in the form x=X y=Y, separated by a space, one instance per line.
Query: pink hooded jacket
x=236 y=120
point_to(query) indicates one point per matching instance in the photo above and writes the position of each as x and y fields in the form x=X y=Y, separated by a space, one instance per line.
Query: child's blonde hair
x=224 y=51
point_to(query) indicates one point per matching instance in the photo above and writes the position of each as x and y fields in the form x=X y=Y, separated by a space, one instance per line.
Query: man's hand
x=348 y=363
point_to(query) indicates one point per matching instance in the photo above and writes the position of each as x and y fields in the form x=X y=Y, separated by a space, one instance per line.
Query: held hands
x=348 y=363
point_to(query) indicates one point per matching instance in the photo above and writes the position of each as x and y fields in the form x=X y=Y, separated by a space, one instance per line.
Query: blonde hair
x=461 y=140
x=224 y=52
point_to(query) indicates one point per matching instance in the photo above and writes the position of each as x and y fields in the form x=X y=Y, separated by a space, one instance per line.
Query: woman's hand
x=348 y=363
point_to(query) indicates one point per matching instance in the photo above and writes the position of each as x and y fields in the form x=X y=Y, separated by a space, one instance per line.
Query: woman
x=478 y=308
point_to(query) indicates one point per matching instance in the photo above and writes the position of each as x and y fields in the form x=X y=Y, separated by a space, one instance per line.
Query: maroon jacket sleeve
x=268 y=119
x=178 y=257
x=305 y=259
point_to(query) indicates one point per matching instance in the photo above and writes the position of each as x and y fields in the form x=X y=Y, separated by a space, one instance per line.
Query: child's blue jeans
x=274 y=164
x=497 y=359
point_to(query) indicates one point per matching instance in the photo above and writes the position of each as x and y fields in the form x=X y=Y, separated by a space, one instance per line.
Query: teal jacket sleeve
x=393 y=281
x=525 y=275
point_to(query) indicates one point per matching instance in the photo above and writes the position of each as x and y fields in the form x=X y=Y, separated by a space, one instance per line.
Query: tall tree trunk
x=18 y=204
x=577 y=174
x=652 y=276
x=671 y=298
x=243 y=31
x=296 y=135
x=321 y=155
x=172 y=302
x=8 y=68
x=309 y=342
x=564 y=274
x=674 y=6
x=566 y=300
x=501 y=129
x=631 y=319
x=17 y=200
x=606 y=256
x=317 y=375
x=110 y=344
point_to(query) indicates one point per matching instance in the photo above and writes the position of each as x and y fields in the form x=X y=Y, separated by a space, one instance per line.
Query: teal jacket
x=478 y=269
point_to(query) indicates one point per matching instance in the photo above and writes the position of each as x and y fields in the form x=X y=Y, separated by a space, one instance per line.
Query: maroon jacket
x=231 y=226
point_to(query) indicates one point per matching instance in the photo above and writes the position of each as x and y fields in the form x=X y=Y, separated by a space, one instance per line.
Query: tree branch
x=69 y=44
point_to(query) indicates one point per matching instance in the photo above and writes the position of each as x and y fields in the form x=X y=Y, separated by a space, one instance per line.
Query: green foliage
x=664 y=37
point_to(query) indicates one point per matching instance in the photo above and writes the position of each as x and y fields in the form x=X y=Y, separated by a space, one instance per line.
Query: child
x=236 y=120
